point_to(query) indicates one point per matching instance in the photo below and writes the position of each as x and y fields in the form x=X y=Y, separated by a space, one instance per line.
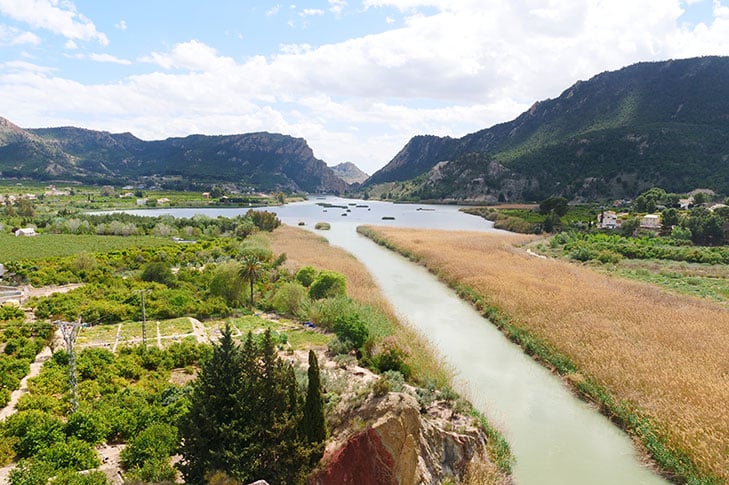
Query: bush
x=328 y=284
x=158 y=272
x=35 y=430
x=322 y=226
x=306 y=275
x=157 y=442
x=88 y=426
x=290 y=299
x=72 y=454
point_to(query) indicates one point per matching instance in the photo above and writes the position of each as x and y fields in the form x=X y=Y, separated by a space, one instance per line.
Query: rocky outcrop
x=402 y=446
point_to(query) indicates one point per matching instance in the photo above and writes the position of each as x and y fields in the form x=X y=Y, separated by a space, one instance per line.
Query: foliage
x=306 y=275
x=155 y=443
x=555 y=204
x=251 y=269
x=328 y=284
x=291 y=298
x=226 y=284
x=313 y=423
x=245 y=416
x=158 y=272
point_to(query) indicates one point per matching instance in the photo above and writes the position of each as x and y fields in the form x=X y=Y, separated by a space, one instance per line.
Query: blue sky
x=357 y=79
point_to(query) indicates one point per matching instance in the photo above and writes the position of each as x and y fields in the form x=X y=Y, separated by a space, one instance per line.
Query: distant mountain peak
x=350 y=173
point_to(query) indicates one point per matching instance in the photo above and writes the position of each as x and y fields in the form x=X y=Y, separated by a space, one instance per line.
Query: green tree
x=313 y=422
x=207 y=430
x=556 y=204
x=227 y=284
x=700 y=198
x=251 y=269
x=306 y=275
x=245 y=416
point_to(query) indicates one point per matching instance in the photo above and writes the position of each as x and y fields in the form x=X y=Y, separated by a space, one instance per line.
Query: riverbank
x=305 y=248
x=654 y=362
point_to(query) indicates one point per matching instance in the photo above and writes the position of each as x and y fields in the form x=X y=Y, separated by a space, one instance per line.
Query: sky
x=356 y=78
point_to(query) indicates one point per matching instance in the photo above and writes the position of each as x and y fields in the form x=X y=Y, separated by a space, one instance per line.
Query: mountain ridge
x=266 y=161
x=614 y=135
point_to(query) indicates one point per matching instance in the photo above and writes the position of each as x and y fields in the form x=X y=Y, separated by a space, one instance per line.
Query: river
x=556 y=438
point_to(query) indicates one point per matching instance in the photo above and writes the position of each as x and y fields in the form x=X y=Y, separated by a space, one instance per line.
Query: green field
x=42 y=246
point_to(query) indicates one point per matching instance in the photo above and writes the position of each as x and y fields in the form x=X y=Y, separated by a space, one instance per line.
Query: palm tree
x=251 y=269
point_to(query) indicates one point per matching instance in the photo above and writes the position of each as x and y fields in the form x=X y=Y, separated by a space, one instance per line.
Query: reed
x=656 y=362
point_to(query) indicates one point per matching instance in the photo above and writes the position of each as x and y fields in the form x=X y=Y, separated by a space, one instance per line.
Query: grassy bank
x=654 y=362
x=304 y=248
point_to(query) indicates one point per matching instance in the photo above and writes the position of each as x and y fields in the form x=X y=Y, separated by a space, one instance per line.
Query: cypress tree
x=313 y=422
x=205 y=429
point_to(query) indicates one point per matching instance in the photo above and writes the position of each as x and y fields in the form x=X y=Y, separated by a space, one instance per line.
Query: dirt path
x=159 y=337
x=116 y=339
x=199 y=331
x=35 y=368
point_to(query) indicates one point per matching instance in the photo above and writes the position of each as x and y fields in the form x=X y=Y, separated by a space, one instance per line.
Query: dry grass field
x=666 y=354
x=304 y=248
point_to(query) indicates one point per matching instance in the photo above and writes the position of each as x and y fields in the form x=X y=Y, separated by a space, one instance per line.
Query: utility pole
x=144 y=317
x=70 y=331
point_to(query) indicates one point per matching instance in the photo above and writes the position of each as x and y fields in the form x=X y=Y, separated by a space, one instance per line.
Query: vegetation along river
x=555 y=437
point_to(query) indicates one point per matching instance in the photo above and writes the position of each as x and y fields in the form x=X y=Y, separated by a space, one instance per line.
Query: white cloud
x=273 y=10
x=121 y=25
x=70 y=45
x=59 y=18
x=109 y=58
x=13 y=36
x=467 y=66
x=309 y=12
x=336 y=6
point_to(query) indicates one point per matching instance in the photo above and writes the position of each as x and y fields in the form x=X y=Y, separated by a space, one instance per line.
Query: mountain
x=650 y=124
x=350 y=173
x=266 y=161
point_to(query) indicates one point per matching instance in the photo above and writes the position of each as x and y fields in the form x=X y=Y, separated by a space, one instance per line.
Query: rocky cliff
x=380 y=437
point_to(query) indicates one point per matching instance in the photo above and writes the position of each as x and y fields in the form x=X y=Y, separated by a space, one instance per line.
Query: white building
x=650 y=221
x=607 y=220
x=25 y=231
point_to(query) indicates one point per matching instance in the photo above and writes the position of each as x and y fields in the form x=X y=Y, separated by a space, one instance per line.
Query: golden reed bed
x=667 y=354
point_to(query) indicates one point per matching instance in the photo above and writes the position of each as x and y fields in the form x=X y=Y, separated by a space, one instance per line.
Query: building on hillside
x=650 y=221
x=607 y=220
x=206 y=195
x=25 y=232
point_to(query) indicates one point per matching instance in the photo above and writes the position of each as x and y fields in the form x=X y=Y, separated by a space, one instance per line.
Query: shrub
x=322 y=226
x=158 y=272
x=306 y=275
x=290 y=299
x=71 y=454
x=87 y=426
x=328 y=284
x=157 y=442
x=35 y=430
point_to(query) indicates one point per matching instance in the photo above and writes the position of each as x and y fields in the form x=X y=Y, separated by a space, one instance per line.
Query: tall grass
x=657 y=363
